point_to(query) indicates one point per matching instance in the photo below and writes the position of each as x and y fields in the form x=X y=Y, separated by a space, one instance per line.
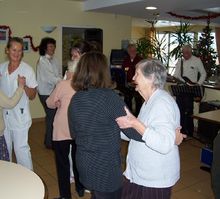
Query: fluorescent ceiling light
x=150 y=8
x=216 y=9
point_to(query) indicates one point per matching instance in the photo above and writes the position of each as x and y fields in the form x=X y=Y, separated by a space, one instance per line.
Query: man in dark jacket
x=128 y=66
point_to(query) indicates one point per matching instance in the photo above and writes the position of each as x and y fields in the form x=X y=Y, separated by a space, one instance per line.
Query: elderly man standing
x=128 y=66
x=191 y=67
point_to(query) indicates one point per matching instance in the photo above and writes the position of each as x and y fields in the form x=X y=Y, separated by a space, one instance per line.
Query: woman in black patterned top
x=92 y=113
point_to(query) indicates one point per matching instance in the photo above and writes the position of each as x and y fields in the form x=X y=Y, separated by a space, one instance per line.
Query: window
x=170 y=46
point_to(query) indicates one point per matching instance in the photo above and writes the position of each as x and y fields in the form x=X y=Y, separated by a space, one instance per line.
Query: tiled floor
x=193 y=184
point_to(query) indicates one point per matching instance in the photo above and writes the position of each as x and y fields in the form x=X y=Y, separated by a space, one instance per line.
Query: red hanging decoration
x=31 y=42
x=4 y=27
x=208 y=17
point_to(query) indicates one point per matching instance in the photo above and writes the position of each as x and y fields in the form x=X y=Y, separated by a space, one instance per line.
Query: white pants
x=19 y=140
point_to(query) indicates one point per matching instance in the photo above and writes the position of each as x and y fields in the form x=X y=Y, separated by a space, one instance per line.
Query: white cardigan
x=155 y=163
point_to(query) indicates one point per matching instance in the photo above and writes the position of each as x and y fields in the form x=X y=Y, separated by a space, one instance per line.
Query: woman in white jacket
x=153 y=166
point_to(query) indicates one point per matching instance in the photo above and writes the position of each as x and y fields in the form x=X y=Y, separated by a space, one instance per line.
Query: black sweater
x=92 y=123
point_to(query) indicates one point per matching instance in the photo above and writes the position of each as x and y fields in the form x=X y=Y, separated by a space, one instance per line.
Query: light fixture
x=48 y=29
x=150 y=8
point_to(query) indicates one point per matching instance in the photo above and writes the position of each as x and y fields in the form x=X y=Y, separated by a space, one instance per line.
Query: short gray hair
x=131 y=46
x=187 y=47
x=153 y=68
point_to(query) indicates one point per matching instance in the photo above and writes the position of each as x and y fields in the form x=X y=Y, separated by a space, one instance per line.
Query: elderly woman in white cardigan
x=6 y=102
x=153 y=166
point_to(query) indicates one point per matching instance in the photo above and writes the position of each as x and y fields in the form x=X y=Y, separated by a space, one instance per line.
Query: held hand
x=126 y=121
x=58 y=104
x=190 y=84
x=69 y=75
x=179 y=136
x=21 y=81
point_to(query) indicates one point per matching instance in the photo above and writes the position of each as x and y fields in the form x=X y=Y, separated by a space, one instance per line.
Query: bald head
x=187 y=52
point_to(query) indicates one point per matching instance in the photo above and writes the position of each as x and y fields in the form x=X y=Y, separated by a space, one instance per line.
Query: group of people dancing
x=87 y=119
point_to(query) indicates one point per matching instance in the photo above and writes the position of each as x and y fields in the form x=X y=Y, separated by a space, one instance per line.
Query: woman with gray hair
x=153 y=166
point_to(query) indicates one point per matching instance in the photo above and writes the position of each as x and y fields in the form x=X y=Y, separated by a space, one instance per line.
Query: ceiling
x=136 y=9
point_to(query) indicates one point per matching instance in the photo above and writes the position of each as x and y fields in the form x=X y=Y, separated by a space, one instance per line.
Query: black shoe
x=62 y=198
x=49 y=146
x=80 y=192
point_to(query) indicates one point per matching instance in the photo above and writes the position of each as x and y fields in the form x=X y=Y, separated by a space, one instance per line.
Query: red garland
x=31 y=41
x=27 y=36
x=209 y=16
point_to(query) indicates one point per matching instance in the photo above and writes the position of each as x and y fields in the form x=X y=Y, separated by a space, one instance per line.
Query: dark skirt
x=3 y=149
x=134 y=191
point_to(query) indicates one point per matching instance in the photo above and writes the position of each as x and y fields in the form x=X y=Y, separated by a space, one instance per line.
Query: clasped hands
x=129 y=120
x=21 y=81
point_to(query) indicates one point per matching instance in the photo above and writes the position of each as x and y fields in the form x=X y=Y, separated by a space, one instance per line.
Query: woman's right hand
x=126 y=121
x=58 y=103
x=69 y=75
x=179 y=136
x=130 y=121
x=21 y=81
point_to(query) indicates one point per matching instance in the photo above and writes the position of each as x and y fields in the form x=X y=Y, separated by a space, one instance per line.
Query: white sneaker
x=72 y=180
x=87 y=191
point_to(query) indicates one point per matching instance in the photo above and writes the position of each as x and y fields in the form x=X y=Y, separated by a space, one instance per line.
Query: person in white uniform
x=8 y=102
x=153 y=166
x=18 y=120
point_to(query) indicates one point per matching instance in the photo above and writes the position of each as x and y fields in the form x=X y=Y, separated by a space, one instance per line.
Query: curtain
x=217 y=36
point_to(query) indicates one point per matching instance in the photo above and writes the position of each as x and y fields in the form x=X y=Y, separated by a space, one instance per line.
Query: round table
x=17 y=181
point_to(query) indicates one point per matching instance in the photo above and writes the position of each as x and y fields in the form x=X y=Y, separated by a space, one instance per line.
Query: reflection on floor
x=194 y=183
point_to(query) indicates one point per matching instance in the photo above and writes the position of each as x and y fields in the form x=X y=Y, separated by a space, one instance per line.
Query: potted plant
x=144 y=47
x=181 y=37
x=153 y=47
